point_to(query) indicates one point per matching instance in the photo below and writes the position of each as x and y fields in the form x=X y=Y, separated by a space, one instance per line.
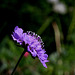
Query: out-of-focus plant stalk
x=44 y=26
x=72 y=25
x=57 y=37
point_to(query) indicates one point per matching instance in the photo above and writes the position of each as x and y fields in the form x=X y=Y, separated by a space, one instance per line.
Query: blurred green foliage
x=37 y=16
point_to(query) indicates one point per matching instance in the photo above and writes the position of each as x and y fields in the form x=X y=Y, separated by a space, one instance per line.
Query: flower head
x=34 y=44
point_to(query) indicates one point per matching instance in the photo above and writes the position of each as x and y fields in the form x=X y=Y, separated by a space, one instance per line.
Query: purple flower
x=35 y=44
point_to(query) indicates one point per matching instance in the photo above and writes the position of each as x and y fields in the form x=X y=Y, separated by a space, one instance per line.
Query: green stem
x=72 y=25
x=44 y=26
x=18 y=62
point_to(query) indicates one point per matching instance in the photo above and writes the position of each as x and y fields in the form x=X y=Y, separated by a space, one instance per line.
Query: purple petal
x=15 y=35
x=16 y=28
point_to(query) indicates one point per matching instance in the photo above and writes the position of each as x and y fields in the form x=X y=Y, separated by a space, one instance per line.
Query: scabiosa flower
x=33 y=42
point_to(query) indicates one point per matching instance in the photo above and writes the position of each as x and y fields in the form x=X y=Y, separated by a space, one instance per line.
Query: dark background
x=37 y=16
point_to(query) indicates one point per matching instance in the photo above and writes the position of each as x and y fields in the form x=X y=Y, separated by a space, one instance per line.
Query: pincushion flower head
x=33 y=42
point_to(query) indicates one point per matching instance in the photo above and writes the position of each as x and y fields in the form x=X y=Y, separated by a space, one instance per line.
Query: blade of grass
x=72 y=25
x=44 y=26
